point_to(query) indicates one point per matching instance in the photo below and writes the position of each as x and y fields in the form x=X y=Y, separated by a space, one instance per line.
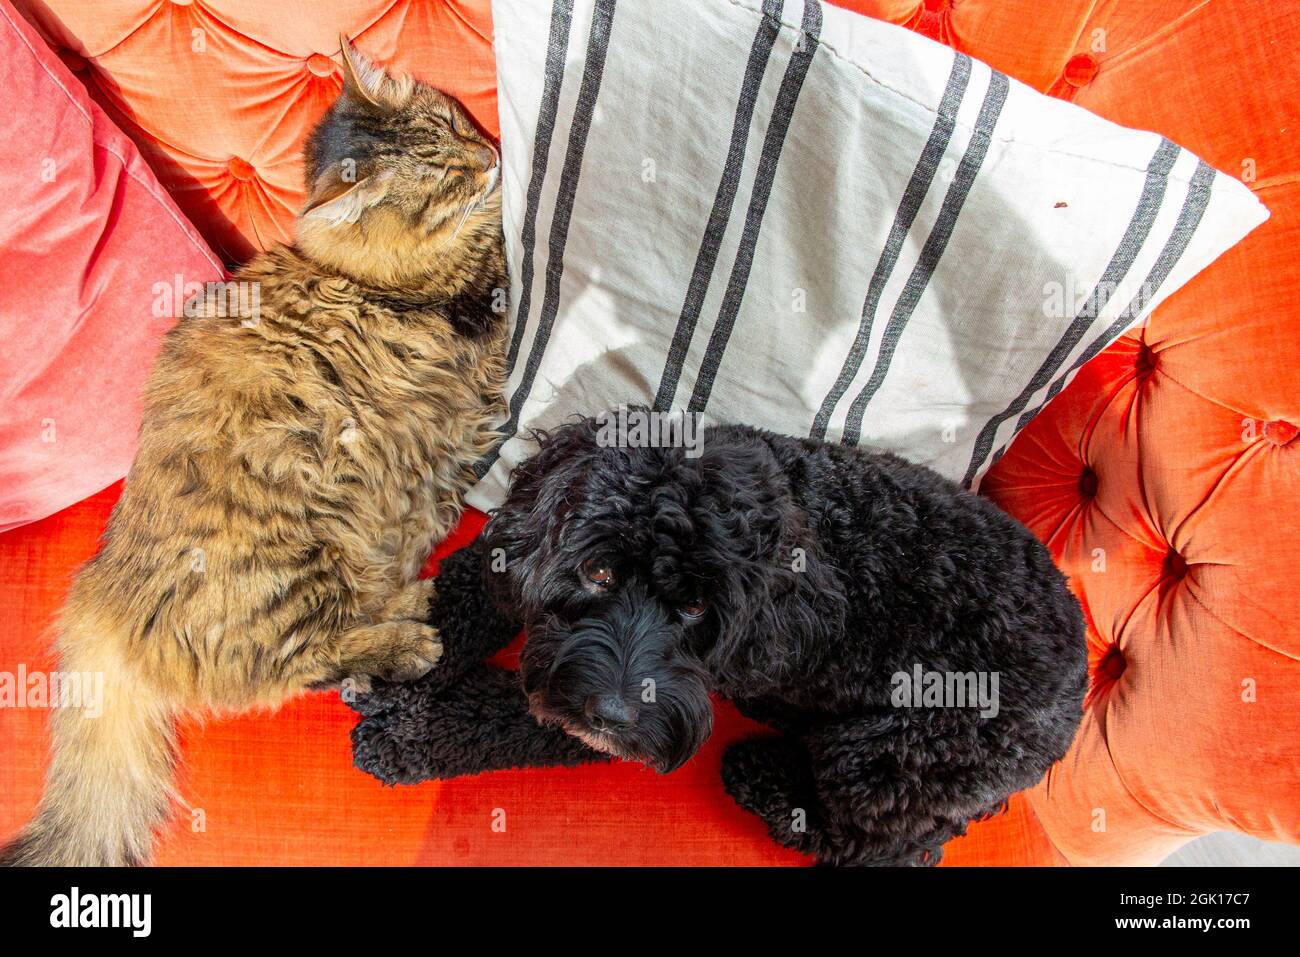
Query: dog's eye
x=597 y=572
x=693 y=609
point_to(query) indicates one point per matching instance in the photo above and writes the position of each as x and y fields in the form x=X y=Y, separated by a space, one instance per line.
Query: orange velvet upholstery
x=1164 y=479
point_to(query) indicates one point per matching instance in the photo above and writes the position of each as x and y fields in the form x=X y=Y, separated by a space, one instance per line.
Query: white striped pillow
x=792 y=216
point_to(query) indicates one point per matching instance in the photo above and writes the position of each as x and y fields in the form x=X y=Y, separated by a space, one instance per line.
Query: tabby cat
x=296 y=463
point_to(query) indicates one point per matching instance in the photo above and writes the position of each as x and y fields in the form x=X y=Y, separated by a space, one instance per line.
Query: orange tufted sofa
x=1165 y=479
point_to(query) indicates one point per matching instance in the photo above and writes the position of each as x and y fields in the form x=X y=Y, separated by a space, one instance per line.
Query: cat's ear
x=338 y=197
x=367 y=83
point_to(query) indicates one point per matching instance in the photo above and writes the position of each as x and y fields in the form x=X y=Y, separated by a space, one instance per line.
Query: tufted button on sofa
x=1165 y=479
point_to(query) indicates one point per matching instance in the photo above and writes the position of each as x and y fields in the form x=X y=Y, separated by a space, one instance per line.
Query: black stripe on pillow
x=602 y=22
x=1134 y=238
x=932 y=252
x=1189 y=218
x=557 y=45
x=773 y=141
x=705 y=260
x=913 y=196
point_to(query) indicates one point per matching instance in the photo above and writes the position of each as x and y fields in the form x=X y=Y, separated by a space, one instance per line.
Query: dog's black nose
x=608 y=712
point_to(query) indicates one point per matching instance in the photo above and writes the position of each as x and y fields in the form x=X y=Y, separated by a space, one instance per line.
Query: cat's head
x=401 y=184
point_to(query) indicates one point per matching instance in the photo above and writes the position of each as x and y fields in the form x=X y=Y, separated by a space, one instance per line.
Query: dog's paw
x=770 y=777
x=756 y=769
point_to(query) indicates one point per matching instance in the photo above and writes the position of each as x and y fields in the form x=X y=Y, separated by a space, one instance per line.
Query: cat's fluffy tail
x=109 y=785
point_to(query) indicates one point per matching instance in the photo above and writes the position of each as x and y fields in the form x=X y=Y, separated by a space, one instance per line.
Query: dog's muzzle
x=617 y=680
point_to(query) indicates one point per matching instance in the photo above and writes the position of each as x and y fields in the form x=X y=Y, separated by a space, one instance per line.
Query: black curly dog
x=811 y=583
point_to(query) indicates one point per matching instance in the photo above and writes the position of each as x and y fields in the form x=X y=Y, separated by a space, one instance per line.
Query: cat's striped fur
x=295 y=466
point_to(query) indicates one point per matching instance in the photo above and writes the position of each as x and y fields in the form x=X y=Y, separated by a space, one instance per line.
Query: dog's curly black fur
x=796 y=577
x=465 y=716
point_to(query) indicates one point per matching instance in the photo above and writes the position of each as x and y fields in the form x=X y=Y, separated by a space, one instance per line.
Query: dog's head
x=648 y=577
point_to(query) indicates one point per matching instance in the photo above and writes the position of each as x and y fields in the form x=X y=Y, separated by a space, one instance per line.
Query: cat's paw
x=354 y=685
x=413 y=601
x=414 y=655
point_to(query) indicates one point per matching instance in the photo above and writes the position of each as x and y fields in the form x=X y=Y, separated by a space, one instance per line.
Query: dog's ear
x=523 y=538
x=777 y=600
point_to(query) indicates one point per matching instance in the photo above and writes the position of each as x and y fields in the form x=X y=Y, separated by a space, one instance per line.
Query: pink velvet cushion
x=94 y=260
